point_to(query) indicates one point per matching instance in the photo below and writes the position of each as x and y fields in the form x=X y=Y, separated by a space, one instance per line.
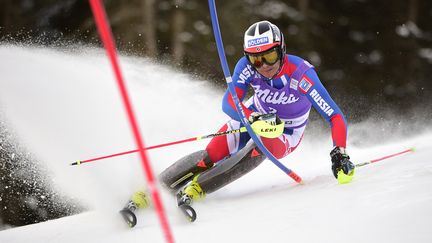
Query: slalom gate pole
x=231 y=88
x=385 y=157
x=79 y=162
x=107 y=39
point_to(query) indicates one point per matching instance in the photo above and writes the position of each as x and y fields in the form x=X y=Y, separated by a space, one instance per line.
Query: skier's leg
x=223 y=173
x=183 y=170
x=230 y=169
x=186 y=168
x=285 y=144
x=227 y=151
x=241 y=163
x=222 y=147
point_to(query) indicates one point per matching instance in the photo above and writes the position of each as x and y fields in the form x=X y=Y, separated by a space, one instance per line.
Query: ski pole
x=242 y=129
x=385 y=157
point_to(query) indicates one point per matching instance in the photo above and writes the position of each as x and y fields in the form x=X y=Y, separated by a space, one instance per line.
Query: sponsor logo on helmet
x=258 y=41
x=321 y=102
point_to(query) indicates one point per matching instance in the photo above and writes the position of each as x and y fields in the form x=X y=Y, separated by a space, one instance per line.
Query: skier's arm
x=312 y=87
x=229 y=107
x=241 y=78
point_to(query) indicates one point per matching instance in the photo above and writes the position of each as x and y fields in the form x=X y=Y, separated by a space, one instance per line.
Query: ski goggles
x=269 y=57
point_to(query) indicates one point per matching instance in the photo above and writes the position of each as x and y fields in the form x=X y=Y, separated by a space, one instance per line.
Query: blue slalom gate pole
x=231 y=88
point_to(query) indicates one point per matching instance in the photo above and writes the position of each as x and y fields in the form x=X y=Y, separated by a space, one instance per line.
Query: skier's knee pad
x=183 y=170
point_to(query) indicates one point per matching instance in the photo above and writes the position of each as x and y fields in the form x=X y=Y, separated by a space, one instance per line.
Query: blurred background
x=374 y=57
x=377 y=51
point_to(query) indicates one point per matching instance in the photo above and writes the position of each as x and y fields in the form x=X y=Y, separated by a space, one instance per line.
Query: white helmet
x=262 y=36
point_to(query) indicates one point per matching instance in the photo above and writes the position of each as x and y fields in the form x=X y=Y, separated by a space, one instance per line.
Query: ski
x=129 y=217
x=188 y=212
x=128 y=212
x=184 y=204
x=139 y=199
x=131 y=220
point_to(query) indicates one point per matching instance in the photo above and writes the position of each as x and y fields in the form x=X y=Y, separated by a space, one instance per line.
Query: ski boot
x=191 y=192
x=139 y=200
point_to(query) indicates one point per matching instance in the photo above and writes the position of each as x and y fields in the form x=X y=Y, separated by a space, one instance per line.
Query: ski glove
x=342 y=167
x=271 y=119
x=254 y=116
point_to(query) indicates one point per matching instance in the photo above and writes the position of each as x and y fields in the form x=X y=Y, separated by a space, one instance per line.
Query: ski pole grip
x=78 y=162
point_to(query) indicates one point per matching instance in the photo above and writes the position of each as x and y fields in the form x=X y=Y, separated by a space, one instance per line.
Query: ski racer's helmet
x=263 y=42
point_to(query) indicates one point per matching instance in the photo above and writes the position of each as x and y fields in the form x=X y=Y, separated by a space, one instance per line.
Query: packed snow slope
x=64 y=106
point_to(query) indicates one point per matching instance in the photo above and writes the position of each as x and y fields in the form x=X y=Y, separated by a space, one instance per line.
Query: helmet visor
x=269 y=57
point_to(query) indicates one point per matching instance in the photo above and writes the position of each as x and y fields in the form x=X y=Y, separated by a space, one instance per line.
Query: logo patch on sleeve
x=294 y=84
x=305 y=84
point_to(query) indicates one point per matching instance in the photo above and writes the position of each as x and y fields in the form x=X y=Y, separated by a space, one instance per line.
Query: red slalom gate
x=107 y=39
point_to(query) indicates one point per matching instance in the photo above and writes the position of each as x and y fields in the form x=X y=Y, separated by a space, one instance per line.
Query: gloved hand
x=342 y=167
x=270 y=118
x=254 y=116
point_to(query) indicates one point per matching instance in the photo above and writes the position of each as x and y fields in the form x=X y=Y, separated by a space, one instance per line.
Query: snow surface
x=64 y=105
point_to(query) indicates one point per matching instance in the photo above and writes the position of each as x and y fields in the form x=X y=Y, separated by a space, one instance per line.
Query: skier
x=285 y=87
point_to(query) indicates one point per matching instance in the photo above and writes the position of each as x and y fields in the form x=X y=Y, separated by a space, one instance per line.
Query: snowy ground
x=64 y=105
